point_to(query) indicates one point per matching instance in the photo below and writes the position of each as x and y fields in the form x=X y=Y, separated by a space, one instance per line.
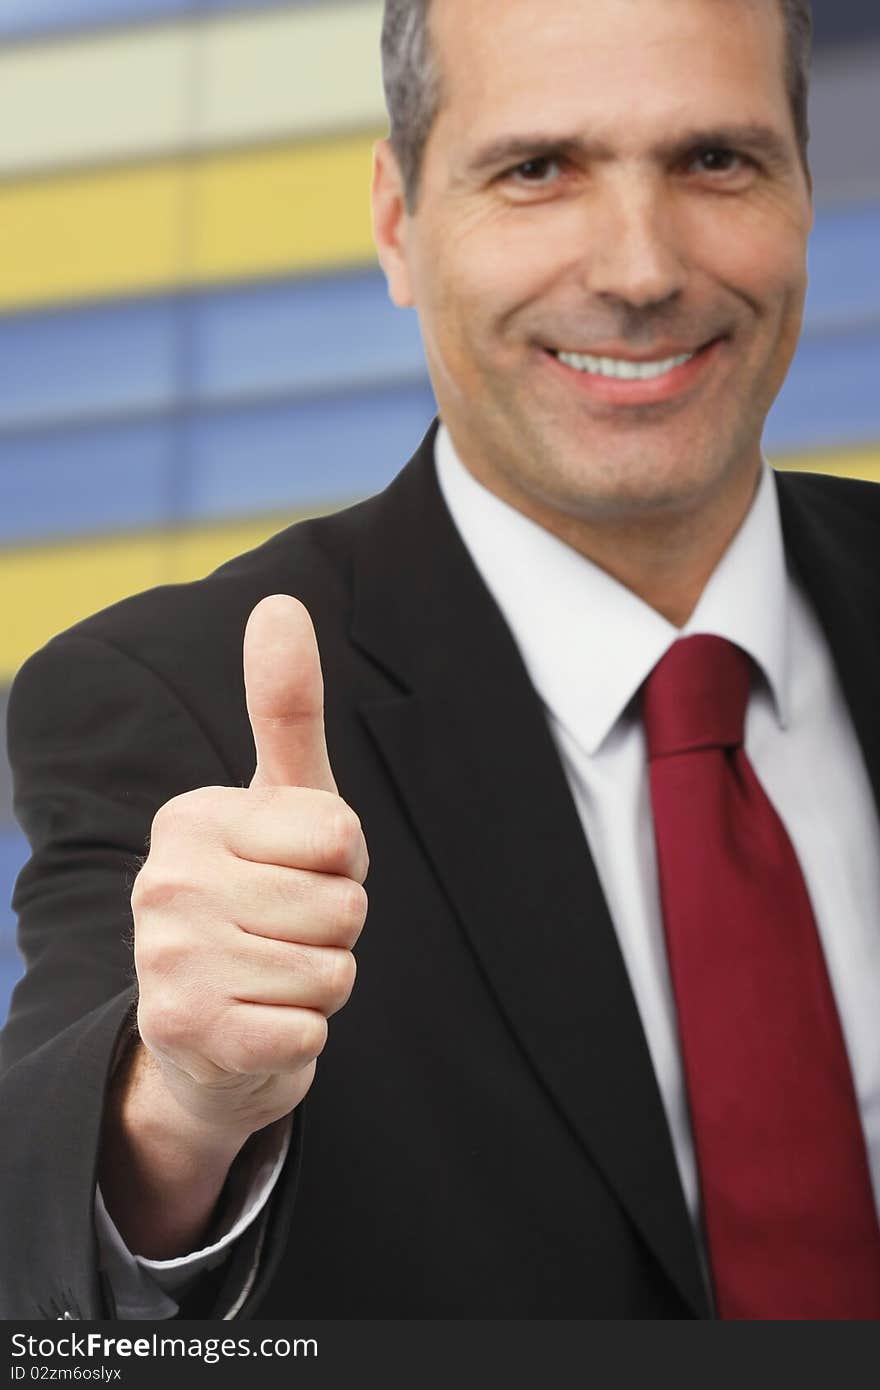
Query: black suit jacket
x=485 y=1136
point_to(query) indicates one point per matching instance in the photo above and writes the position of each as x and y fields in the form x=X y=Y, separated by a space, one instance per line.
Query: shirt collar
x=588 y=642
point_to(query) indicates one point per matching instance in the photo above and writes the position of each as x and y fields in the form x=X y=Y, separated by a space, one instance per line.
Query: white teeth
x=621 y=370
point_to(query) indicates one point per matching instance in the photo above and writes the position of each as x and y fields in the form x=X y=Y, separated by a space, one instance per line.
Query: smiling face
x=608 y=249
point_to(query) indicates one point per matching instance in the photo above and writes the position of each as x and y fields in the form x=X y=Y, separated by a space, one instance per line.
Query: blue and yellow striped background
x=195 y=342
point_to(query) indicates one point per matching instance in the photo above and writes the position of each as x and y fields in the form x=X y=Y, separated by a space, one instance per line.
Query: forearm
x=161 y=1171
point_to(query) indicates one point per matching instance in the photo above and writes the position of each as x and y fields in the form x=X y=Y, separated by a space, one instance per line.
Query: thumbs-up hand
x=249 y=904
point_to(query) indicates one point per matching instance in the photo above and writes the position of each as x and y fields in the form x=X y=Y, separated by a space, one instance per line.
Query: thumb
x=285 y=696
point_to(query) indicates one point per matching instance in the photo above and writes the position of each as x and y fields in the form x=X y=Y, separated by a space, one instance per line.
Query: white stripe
x=199 y=84
x=310 y=72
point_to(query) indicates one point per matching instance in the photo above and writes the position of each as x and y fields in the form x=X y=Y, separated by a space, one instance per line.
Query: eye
x=719 y=160
x=535 y=173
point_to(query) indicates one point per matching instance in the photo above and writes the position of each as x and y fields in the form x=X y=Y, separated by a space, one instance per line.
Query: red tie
x=788 y=1210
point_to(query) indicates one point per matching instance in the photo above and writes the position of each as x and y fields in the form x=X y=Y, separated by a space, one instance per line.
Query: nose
x=634 y=253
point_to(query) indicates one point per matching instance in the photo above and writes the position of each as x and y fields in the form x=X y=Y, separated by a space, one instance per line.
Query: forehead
x=618 y=65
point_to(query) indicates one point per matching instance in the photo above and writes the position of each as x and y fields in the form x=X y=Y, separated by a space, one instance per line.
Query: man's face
x=608 y=250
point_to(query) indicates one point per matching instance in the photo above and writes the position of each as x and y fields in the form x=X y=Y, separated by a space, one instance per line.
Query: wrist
x=167 y=1108
x=162 y=1169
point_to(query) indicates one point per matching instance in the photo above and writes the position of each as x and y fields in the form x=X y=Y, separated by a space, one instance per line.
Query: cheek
x=758 y=258
x=469 y=306
x=486 y=273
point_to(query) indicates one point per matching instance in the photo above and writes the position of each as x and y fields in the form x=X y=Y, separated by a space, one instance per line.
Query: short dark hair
x=413 y=81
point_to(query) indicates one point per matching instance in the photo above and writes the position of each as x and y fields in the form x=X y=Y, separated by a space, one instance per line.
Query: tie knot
x=696 y=697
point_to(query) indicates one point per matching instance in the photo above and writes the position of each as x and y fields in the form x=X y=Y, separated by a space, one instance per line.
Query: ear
x=390 y=223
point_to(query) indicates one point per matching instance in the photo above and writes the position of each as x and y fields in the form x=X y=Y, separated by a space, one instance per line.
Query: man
x=612 y=1050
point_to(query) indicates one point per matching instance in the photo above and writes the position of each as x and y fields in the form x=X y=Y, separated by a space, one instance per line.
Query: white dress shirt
x=588 y=643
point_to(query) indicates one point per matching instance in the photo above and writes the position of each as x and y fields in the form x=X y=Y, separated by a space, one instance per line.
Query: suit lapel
x=830 y=532
x=467 y=744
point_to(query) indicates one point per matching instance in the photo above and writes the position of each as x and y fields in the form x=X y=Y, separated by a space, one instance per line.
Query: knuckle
x=140 y=892
x=342 y=833
x=364 y=866
x=311 y=1035
x=162 y=1024
x=159 y=955
x=341 y=971
x=149 y=887
x=165 y=890
x=352 y=909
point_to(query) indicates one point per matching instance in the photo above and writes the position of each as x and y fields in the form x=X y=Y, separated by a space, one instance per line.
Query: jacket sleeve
x=97 y=742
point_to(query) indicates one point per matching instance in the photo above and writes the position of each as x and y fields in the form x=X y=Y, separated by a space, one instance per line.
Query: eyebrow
x=510 y=150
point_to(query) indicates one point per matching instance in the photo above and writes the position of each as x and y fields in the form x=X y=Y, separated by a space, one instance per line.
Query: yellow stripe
x=282 y=210
x=44 y=589
x=861 y=463
x=190 y=84
x=290 y=209
x=47 y=588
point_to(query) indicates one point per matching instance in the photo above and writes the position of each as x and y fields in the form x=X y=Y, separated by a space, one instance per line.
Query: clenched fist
x=250 y=902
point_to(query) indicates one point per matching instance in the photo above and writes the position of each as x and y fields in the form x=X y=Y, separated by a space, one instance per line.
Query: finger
x=285 y=696
x=289 y=974
x=296 y=828
x=260 y=1039
x=313 y=909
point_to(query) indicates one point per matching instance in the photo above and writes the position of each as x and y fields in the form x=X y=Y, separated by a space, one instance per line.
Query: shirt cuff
x=145 y=1289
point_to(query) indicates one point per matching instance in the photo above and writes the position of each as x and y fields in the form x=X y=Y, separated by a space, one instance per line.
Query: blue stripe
x=303 y=336
x=100 y=479
x=11 y=970
x=305 y=452
x=290 y=337
x=35 y=18
x=13 y=853
x=831 y=396
x=87 y=362
x=210 y=465
x=844 y=284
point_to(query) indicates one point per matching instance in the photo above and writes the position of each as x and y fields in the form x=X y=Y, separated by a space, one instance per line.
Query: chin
x=627 y=487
